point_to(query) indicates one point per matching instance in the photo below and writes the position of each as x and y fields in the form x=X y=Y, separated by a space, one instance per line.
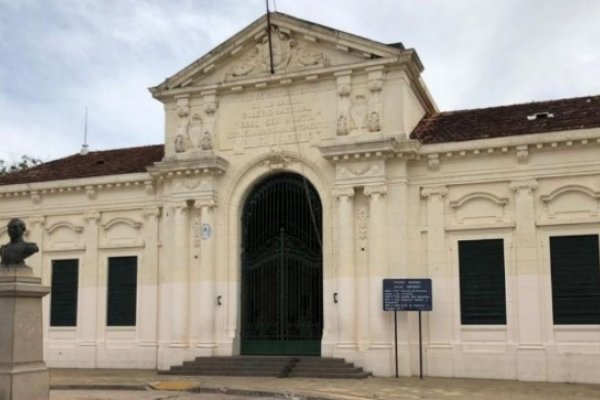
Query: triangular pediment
x=295 y=46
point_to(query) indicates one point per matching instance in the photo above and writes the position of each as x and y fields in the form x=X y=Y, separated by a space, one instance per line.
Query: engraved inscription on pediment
x=287 y=54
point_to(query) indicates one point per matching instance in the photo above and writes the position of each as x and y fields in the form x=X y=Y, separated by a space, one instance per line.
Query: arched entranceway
x=282 y=268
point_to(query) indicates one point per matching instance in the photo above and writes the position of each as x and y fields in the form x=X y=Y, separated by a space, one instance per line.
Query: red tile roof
x=95 y=163
x=483 y=123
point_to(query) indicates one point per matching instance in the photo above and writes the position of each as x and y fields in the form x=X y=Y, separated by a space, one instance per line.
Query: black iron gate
x=282 y=278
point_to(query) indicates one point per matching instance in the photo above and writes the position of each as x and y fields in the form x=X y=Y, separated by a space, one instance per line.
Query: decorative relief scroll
x=361 y=173
x=277 y=116
x=287 y=54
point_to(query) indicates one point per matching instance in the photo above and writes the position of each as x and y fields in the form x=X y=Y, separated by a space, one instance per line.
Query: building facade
x=301 y=167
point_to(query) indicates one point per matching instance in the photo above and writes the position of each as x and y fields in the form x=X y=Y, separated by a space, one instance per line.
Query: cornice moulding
x=404 y=61
x=210 y=164
x=540 y=140
x=349 y=147
x=75 y=185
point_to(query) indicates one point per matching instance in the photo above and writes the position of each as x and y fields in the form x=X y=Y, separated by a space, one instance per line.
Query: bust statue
x=17 y=250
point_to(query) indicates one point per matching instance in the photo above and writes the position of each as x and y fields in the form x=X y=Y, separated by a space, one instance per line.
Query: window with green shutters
x=122 y=291
x=63 y=298
x=482 y=282
x=575 y=271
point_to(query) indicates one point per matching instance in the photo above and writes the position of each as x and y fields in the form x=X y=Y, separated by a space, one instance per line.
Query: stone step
x=249 y=363
x=333 y=368
x=317 y=370
x=276 y=366
x=320 y=361
x=221 y=372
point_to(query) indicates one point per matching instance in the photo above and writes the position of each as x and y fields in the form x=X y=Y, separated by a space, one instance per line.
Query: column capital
x=343 y=192
x=37 y=221
x=528 y=185
x=429 y=191
x=151 y=212
x=379 y=189
x=92 y=218
x=209 y=201
x=179 y=207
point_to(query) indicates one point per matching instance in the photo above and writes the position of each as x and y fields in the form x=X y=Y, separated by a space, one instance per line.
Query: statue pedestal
x=23 y=373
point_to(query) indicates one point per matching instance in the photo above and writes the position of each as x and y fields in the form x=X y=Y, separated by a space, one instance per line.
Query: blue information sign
x=407 y=295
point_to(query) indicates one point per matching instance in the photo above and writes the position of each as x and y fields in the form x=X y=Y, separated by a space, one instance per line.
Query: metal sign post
x=407 y=295
x=396 y=339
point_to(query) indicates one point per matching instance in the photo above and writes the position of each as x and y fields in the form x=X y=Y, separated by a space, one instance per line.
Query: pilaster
x=149 y=296
x=89 y=325
x=35 y=226
x=203 y=296
x=345 y=296
x=379 y=327
x=531 y=360
x=178 y=281
x=439 y=357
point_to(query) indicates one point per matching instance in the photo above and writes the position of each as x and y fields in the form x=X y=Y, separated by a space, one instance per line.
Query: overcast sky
x=59 y=56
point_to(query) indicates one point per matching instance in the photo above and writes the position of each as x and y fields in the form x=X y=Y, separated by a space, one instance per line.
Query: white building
x=281 y=200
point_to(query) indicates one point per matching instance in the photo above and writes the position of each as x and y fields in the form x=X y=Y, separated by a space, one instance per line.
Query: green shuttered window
x=63 y=298
x=575 y=271
x=122 y=291
x=482 y=288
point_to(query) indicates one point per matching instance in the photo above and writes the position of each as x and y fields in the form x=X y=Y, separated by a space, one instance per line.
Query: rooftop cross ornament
x=17 y=250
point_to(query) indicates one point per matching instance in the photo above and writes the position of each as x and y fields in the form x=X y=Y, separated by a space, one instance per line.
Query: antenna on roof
x=85 y=147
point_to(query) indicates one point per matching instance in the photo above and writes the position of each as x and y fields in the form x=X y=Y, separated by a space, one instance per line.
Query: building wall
x=391 y=209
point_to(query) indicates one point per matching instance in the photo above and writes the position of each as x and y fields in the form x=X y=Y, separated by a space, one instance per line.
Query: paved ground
x=305 y=388
x=144 y=395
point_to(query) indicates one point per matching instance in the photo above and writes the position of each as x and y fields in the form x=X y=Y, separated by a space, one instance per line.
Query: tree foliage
x=24 y=163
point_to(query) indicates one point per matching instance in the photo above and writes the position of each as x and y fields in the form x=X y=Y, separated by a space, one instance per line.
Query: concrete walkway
x=310 y=388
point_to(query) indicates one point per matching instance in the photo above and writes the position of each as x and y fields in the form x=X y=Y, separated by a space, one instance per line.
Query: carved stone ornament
x=342 y=126
x=363 y=221
x=358 y=112
x=278 y=158
x=430 y=191
x=310 y=58
x=373 y=122
x=180 y=144
x=375 y=190
x=527 y=185
x=281 y=48
x=206 y=141
x=347 y=192
x=195 y=129
x=357 y=170
x=285 y=54
x=197 y=231
x=433 y=162
x=183 y=111
x=190 y=134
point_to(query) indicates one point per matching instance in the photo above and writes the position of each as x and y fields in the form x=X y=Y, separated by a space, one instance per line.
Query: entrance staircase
x=273 y=366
